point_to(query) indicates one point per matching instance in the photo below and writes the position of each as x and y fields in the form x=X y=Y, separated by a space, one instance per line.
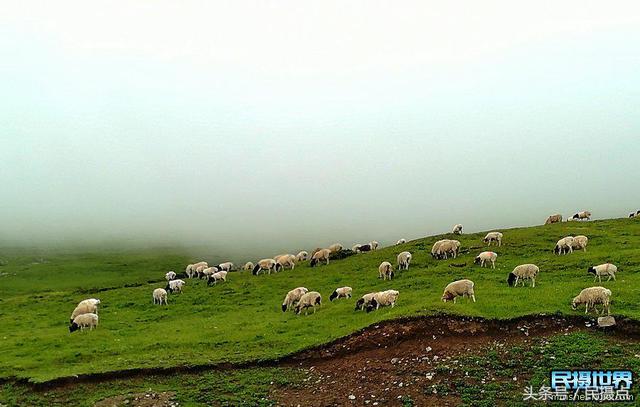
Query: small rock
x=352 y=397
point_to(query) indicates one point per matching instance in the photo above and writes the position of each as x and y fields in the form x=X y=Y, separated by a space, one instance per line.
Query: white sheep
x=82 y=321
x=248 y=266
x=320 y=255
x=84 y=307
x=374 y=245
x=592 y=296
x=160 y=296
x=460 y=288
x=404 y=259
x=308 y=300
x=293 y=297
x=401 y=241
x=201 y=268
x=553 y=219
x=191 y=268
x=493 y=237
x=226 y=266
x=483 y=257
x=582 y=215
x=342 y=292
x=302 y=256
x=443 y=248
x=215 y=277
x=435 y=248
x=580 y=242
x=522 y=273
x=364 y=301
x=457 y=229
x=606 y=269
x=385 y=270
x=206 y=273
x=175 y=286
x=171 y=275
x=564 y=245
x=286 y=260
x=336 y=247
x=93 y=301
x=266 y=264
x=383 y=299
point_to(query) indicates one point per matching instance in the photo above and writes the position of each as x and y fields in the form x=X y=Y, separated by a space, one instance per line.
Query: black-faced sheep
x=215 y=277
x=607 y=269
x=302 y=256
x=385 y=270
x=553 y=219
x=320 y=255
x=460 y=288
x=266 y=264
x=484 y=257
x=191 y=268
x=308 y=300
x=582 y=215
x=227 y=266
x=171 y=275
x=400 y=241
x=591 y=297
x=84 y=307
x=564 y=246
x=83 y=321
x=383 y=299
x=493 y=237
x=160 y=296
x=404 y=259
x=361 y=248
x=364 y=302
x=522 y=273
x=342 y=292
x=175 y=286
x=286 y=261
x=293 y=297
x=457 y=229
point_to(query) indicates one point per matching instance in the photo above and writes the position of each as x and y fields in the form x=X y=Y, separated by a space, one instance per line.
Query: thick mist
x=257 y=127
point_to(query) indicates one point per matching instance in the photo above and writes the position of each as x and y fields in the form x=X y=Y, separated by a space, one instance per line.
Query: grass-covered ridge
x=241 y=320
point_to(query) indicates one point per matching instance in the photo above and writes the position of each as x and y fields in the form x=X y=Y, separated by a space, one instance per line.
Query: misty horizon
x=158 y=124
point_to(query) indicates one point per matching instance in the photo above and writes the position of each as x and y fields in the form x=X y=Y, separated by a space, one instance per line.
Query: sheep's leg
x=493 y=264
x=516 y=284
x=473 y=297
x=454 y=300
x=533 y=283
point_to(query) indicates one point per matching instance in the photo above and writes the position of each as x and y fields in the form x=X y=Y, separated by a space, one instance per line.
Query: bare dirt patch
x=149 y=399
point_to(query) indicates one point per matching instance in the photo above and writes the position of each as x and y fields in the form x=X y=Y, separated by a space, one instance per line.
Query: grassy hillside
x=242 y=321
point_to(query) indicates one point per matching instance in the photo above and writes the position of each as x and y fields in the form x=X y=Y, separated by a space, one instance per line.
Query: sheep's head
x=73 y=327
x=359 y=304
x=574 y=303
x=333 y=296
x=477 y=260
x=372 y=305
x=314 y=261
x=591 y=270
x=284 y=307
x=447 y=296
x=511 y=279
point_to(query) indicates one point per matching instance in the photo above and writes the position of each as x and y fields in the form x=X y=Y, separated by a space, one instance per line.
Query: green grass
x=241 y=320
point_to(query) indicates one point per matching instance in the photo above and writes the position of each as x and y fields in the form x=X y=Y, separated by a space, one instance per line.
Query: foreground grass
x=241 y=320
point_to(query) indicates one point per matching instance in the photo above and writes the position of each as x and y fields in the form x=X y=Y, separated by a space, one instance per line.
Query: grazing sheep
x=93 y=301
x=582 y=215
x=383 y=299
x=385 y=270
x=175 y=285
x=302 y=256
x=248 y=266
x=266 y=264
x=579 y=242
x=361 y=248
x=170 y=275
x=564 y=245
x=160 y=296
x=457 y=229
x=84 y=307
x=316 y=250
x=442 y=248
x=460 y=288
x=293 y=297
x=321 y=255
x=227 y=266
x=523 y=272
x=486 y=256
x=342 y=292
x=201 y=268
x=632 y=214
x=191 y=268
x=215 y=277
x=493 y=237
x=364 y=302
x=606 y=269
x=374 y=245
x=553 y=219
x=308 y=300
x=287 y=260
x=83 y=321
x=404 y=259
x=401 y=241
x=336 y=247
x=204 y=274
x=591 y=297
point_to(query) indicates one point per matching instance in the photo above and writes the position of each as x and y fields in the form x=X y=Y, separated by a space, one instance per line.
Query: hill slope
x=241 y=320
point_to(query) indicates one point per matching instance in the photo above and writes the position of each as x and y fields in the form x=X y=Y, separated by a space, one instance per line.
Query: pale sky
x=283 y=125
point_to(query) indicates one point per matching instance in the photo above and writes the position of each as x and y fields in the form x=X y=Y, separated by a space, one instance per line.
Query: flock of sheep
x=85 y=315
